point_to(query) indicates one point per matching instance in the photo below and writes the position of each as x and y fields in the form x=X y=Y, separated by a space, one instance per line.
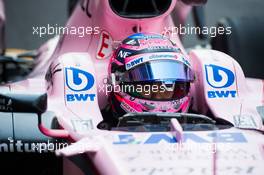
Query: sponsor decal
x=154 y=49
x=78 y=80
x=163 y=56
x=105 y=45
x=164 y=49
x=150 y=57
x=127 y=108
x=245 y=121
x=82 y=125
x=134 y=63
x=220 y=78
x=143 y=36
x=123 y=53
x=193 y=170
x=168 y=138
x=22 y=146
x=132 y=42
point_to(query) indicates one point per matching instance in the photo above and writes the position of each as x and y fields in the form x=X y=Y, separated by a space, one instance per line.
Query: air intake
x=140 y=8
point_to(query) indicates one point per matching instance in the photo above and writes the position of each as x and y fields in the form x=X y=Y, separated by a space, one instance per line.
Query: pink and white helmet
x=149 y=73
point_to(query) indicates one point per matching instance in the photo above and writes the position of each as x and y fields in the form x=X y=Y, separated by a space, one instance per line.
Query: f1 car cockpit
x=160 y=122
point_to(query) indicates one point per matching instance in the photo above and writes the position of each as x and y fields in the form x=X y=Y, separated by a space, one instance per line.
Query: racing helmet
x=149 y=73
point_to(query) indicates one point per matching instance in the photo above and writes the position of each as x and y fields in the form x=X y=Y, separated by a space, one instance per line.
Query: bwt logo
x=219 y=77
x=78 y=80
x=193 y=137
x=134 y=63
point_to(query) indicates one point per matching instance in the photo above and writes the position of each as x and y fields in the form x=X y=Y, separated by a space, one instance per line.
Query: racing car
x=223 y=135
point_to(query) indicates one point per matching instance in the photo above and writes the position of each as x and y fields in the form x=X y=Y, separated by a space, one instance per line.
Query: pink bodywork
x=244 y=156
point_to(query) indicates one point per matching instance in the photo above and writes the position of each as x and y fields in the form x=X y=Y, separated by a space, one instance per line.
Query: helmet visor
x=159 y=70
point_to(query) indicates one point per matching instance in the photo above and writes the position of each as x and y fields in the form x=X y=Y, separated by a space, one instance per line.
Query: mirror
x=26 y=103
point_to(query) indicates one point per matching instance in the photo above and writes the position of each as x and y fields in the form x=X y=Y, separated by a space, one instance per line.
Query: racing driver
x=149 y=73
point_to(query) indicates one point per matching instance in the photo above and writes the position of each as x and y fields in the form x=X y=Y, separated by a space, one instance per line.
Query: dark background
x=23 y=14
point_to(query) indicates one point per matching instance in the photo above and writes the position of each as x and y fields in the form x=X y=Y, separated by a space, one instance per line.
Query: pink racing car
x=223 y=136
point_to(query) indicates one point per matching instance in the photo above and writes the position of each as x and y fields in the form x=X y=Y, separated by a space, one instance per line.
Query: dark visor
x=165 y=70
